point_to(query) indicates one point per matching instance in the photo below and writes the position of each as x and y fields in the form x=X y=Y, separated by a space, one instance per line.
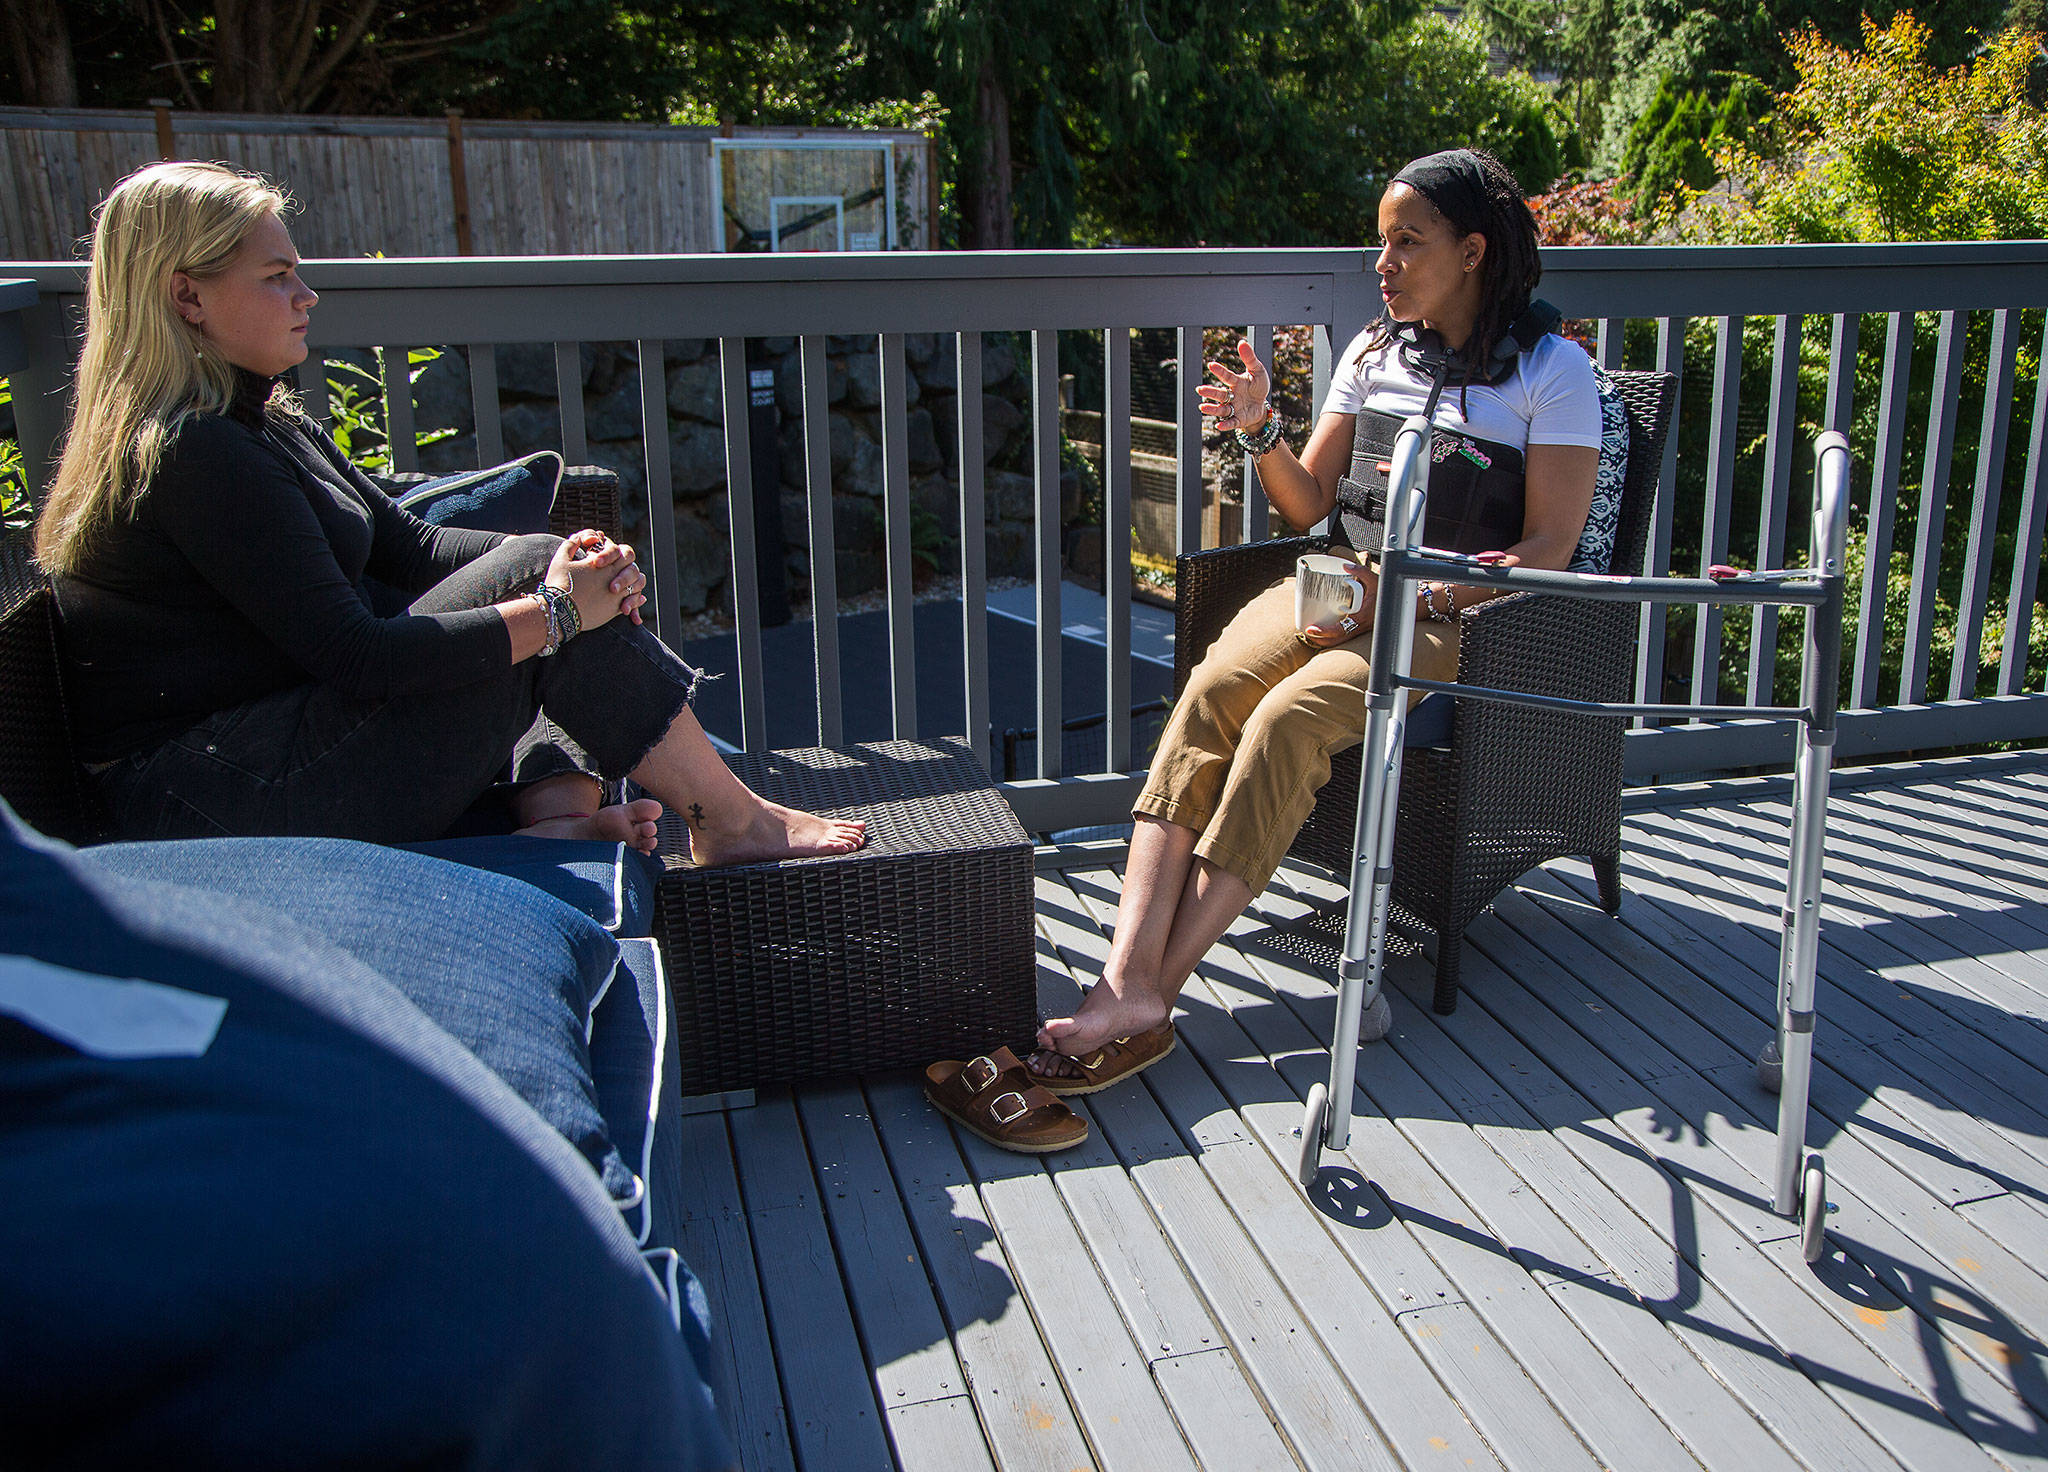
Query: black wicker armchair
x=1514 y=787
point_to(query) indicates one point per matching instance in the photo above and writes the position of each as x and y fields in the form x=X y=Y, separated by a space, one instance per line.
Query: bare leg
x=568 y=807
x=1174 y=908
x=729 y=822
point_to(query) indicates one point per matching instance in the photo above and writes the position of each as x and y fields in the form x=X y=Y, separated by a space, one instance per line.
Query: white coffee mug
x=1324 y=591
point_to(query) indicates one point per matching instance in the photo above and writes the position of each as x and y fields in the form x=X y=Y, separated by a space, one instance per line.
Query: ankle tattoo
x=696 y=815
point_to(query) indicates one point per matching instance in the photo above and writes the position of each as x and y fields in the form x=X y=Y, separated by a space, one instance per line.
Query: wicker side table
x=917 y=947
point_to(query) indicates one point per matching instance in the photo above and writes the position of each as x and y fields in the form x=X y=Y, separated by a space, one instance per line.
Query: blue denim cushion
x=511 y=973
x=609 y=882
x=514 y=497
x=333 y=1238
x=1429 y=723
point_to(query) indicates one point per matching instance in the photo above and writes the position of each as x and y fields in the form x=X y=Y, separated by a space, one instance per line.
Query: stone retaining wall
x=530 y=416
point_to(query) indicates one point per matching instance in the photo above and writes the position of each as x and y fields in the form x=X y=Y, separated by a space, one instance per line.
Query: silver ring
x=1348 y=624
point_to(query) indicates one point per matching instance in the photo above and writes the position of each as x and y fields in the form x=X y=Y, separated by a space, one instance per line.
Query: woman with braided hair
x=1517 y=433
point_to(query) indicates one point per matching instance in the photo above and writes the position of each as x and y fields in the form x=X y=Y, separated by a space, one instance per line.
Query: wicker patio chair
x=1514 y=787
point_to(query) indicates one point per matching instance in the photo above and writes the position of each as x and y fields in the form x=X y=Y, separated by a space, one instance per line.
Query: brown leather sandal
x=995 y=1097
x=1114 y=1061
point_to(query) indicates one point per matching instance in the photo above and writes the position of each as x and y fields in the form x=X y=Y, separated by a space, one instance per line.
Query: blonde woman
x=257 y=640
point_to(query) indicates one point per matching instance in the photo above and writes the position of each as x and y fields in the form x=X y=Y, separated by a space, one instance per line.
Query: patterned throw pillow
x=1595 y=552
x=513 y=498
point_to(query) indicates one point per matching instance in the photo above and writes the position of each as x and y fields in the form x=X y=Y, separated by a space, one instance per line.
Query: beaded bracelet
x=1442 y=615
x=1260 y=440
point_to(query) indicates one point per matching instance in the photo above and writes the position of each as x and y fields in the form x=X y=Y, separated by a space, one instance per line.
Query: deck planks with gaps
x=917 y=1378
x=1717 y=1244
x=1551 y=1229
x=717 y=1245
x=1862 y=1300
x=833 y=1420
x=1521 y=1426
x=1106 y=1375
x=1017 y=1391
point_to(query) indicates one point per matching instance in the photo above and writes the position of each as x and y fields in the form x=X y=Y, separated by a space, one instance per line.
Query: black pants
x=312 y=761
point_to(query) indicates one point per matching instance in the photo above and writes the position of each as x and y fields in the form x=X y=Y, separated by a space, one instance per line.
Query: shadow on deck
x=1550 y=1244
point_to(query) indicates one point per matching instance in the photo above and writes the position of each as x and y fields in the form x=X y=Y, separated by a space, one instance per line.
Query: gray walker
x=1801 y=1182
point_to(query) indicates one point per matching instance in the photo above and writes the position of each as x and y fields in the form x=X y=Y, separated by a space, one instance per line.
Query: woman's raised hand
x=601 y=575
x=1238 y=400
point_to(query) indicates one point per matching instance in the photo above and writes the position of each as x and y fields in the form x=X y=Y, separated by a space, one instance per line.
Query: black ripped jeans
x=311 y=761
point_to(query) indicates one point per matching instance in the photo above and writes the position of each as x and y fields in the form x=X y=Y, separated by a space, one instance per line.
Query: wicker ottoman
x=917 y=947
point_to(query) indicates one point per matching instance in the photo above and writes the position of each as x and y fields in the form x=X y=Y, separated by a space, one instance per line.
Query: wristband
x=563 y=621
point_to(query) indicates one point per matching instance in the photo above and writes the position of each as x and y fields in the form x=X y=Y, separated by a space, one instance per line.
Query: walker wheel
x=1313 y=1118
x=1813 y=1210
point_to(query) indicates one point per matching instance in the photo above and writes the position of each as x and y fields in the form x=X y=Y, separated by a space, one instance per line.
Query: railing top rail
x=1568 y=260
x=985 y=290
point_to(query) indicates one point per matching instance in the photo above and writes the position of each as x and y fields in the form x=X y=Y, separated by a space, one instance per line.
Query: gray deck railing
x=565 y=302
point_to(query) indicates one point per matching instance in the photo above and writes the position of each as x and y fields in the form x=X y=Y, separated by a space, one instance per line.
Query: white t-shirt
x=1550 y=398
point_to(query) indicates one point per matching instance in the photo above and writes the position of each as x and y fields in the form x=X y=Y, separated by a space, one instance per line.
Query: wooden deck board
x=1550 y=1242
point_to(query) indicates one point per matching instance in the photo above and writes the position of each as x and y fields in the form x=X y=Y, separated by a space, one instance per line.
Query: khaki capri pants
x=1249 y=742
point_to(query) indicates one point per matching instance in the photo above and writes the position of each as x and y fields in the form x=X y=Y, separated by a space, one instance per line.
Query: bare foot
x=626 y=822
x=775 y=832
x=1102 y=1016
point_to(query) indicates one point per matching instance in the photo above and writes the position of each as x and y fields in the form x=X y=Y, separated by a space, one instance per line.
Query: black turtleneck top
x=243 y=572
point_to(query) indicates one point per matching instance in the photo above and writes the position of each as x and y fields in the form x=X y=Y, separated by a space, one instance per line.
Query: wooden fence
x=442 y=187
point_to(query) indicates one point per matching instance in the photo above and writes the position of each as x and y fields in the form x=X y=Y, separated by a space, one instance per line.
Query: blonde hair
x=144 y=368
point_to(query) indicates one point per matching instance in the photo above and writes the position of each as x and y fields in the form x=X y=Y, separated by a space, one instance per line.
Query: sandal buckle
x=980 y=1073
x=995 y=1107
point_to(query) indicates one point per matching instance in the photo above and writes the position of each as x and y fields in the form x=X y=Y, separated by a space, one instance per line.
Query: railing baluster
x=1842 y=342
x=1770 y=528
x=973 y=545
x=1322 y=366
x=739 y=509
x=569 y=391
x=312 y=380
x=1991 y=434
x=1045 y=466
x=1706 y=639
x=896 y=523
x=1187 y=442
x=1890 y=453
x=1116 y=541
x=1934 y=472
x=483 y=399
x=824 y=550
x=398 y=422
x=1650 y=640
x=2026 y=560
x=1255 y=521
x=1609 y=343
x=663 y=594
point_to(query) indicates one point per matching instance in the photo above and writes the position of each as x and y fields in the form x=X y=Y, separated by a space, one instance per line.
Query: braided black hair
x=1508 y=269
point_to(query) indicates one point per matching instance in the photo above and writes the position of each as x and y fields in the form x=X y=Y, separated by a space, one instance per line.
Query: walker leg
x=1360 y=971
x=1798 y=956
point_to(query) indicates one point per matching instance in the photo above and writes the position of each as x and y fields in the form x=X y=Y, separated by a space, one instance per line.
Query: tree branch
x=351 y=36
x=171 y=59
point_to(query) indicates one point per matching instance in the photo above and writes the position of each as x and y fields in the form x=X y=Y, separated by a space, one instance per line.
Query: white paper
x=105 y=1017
